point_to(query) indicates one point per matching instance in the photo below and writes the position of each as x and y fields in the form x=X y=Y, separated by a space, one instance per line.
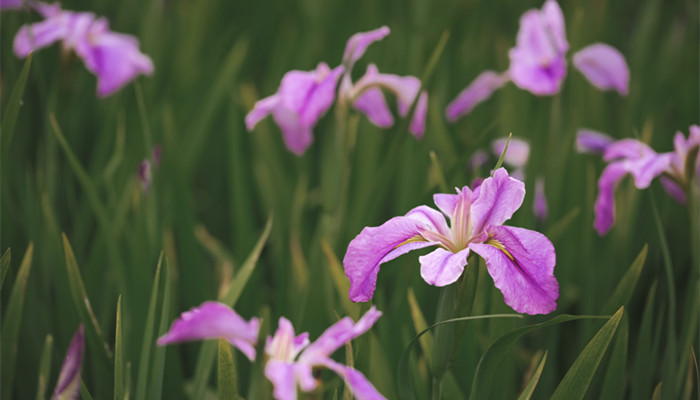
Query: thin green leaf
x=532 y=382
x=615 y=377
x=84 y=393
x=5 y=265
x=9 y=120
x=340 y=281
x=82 y=303
x=439 y=174
x=486 y=369
x=579 y=377
x=156 y=381
x=147 y=343
x=207 y=353
x=119 y=355
x=260 y=387
x=559 y=227
x=623 y=292
x=403 y=374
x=657 y=392
x=44 y=369
x=503 y=154
x=9 y=334
x=419 y=323
x=227 y=373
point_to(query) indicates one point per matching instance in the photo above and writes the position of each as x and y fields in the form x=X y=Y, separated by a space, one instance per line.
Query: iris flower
x=290 y=358
x=68 y=385
x=538 y=63
x=114 y=58
x=304 y=97
x=520 y=261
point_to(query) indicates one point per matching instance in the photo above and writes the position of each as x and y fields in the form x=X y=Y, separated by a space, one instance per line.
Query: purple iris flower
x=114 y=57
x=292 y=358
x=592 y=142
x=675 y=181
x=538 y=63
x=68 y=385
x=520 y=261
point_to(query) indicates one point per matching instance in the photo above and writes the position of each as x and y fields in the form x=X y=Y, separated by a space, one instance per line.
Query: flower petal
x=310 y=94
x=592 y=142
x=261 y=110
x=284 y=345
x=446 y=202
x=604 y=66
x=417 y=126
x=432 y=219
x=10 y=4
x=41 y=34
x=368 y=249
x=297 y=137
x=337 y=335
x=68 y=385
x=499 y=197
x=358 y=43
x=442 y=267
x=281 y=374
x=478 y=91
x=605 y=202
x=373 y=105
x=517 y=154
x=521 y=263
x=214 y=320
x=361 y=388
x=673 y=189
x=540 y=203
x=404 y=87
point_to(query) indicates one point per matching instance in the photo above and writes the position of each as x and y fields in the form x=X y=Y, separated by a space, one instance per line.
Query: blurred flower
x=68 y=385
x=592 y=142
x=10 y=4
x=303 y=97
x=520 y=261
x=477 y=160
x=292 y=358
x=214 y=320
x=516 y=156
x=114 y=57
x=538 y=63
x=682 y=172
x=145 y=175
x=539 y=207
x=157 y=154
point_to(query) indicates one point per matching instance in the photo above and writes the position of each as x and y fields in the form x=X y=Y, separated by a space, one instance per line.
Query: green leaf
x=579 y=377
x=9 y=120
x=623 y=292
x=532 y=382
x=44 y=369
x=12 y=321
x=119 y=355
x=486 y=369
x=503 y=154
x=156 y=381
x=439 y=174
x=5 y=265
x=82 y=303
x=207 y=353
x=340 y=281
x=84 y=393
x=403 y=376
x=559 y=227
x=260 y=387
x=614 y=383
x=227 y=372
x=147 y=343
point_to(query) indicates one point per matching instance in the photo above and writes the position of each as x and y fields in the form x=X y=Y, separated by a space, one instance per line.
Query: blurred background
x=217 y=184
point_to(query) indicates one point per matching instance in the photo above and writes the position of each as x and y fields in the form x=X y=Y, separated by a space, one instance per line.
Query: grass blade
x=623 y=292
x=499 y=163
x=11 y=323
x=9 y=119
x=614 y=383
x=579 y=377
x=227 y=373
x=84 y=393
x=119 y=355
x=44 y=369
x=5 y=265
x=532 y=382
x=147 y=344
x=156 y=381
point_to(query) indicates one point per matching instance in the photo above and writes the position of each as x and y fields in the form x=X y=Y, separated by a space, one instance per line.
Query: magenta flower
x=114 y=57
x=68 y=385
x=592 y=142
x=538 y=63
x=292 y=358
x=214 y=320
x=520 y=261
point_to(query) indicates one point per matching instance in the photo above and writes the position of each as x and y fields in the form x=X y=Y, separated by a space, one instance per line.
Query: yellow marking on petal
x=495 y=243
x=414 y=239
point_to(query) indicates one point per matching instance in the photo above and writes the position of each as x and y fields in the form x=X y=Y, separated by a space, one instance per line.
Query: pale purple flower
x=592 y=142
x=516 y=156
x=539 y=207
x=114 y=58
x=676 y=180
x=292 y=358
x=477 y=160
x=359 y=42
x=481 y=89
x=302 y=99
x=520 y=261
x=604 y=66
x=68 y=385
x=214 y=320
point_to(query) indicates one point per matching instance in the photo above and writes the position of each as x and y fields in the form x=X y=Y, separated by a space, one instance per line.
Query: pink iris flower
x=114 y=58
x=520 y=261
x=68 y=385
x=290 y=358
x=538 y=63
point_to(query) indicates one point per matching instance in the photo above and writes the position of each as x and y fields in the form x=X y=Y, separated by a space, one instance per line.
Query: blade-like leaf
x=623 y=292
x=503 y=154
x=5 y=265
x=156 y=381
x=615 y=379
x=119 y=355
x=7 y=129
x=84 y=393
x=227 y=372
x=579 y=377
x=44 y=369
x=147 y=343
x=11 y=323
x=532 y=382
x=340 y=281
x=486 y=369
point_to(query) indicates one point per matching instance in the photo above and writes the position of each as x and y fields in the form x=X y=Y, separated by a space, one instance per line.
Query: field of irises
x=330 y=200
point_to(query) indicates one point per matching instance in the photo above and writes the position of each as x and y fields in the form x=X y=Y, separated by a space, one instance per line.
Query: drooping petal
x=673 y=189
x=605 y=202
x=281 y=374
x=297 y=137
x=337 y=335
x=521 y=263
x=358 y=43
x=442 y=267
x=553 y=17
x=214 y=320
x=478 y=91
x=540 y=204
x=417 y=126
x=604 y=66
x=361 y=388
x=517 y=154
x=373 y=105
x=646 y=169
x=626 y=148
x=404 y=87
x=68 y=385
x=310 y=93
x=368 y=250
x=499 y=197
x=431 y=219
x=41 y=34
x=592 y=142
x=261 y=110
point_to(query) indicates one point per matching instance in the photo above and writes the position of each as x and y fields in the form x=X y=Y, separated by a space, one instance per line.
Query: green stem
x=437 y=388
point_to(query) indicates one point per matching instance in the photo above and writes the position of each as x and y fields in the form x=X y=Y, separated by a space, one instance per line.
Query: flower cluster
x=538 y=63
x=290 y=358
x=304 y=96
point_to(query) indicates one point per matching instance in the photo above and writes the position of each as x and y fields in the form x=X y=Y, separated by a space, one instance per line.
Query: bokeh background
x=217 y=183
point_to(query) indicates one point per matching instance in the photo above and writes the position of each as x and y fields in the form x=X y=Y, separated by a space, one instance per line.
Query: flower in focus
x=114 y=57
x=539 y=207
x=292 y=358
x=520 y=261
x=68 y=385
x=538 y=63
